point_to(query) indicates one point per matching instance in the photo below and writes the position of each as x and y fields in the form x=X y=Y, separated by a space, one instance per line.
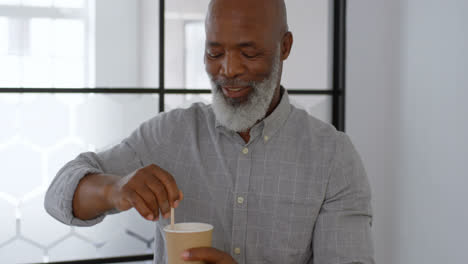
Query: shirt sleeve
x=342 y=232
x=119 y=160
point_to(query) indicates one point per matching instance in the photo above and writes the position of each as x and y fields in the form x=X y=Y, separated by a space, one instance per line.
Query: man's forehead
x=220 y=24
x=239 y=6
x=244 y=35
x=237 y=18
x=237 y=24
x=239 y=44
x=242 y=13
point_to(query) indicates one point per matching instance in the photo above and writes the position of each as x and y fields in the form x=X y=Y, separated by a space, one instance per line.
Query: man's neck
x=274 y=103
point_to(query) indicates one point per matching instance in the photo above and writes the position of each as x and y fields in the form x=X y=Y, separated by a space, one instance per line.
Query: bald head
x=271 y=13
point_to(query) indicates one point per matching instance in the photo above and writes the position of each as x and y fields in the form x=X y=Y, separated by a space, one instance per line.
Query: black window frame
x=337 y=92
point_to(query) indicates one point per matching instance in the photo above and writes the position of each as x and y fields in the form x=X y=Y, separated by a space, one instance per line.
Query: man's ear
x=286 y=45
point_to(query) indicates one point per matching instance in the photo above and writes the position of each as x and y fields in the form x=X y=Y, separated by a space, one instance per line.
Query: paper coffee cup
x=185 y=236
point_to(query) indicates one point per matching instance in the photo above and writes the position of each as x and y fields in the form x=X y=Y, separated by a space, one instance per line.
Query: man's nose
x=232 y=66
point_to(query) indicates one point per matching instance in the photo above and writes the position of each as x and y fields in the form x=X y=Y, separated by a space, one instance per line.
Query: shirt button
x=237 y=251
x=245 y=150
x=240 y=200
x=266 y=138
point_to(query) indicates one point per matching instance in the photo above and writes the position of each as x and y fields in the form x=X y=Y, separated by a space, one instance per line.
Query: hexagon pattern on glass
x=48 y=131
x=8 y=226
x=25 y=252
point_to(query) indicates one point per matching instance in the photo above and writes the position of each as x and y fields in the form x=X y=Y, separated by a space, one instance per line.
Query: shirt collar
x=275 y=120
x=278 y=117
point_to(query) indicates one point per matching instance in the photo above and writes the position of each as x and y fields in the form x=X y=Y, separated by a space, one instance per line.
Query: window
x=44 y=43
x=47 y=47
x=195 y=76
x=185 y=59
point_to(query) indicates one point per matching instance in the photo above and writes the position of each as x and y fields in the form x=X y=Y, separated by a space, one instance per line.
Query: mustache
x=232 y=82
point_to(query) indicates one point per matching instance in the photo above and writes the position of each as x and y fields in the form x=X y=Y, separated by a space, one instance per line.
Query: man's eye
x=250 y=55
x=214 y=55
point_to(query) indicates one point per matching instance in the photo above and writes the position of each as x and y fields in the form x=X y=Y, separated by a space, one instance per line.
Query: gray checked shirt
x=297 y=192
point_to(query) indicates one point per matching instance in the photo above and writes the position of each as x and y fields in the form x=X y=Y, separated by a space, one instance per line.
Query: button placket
x=239 y=201
x=245 y=150
x=237 y=251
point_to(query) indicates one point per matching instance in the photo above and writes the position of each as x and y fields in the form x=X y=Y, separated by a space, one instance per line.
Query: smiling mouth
x=236 y=91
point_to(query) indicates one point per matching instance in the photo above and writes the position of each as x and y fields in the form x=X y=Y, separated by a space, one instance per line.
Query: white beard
x=241 y=116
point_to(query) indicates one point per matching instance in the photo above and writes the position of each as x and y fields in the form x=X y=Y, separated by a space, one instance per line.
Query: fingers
x=140 y=205
x=161 y=194
x=150 y=200
x=150 y=190
x=169 y=183
x=181 y=197
x=208 y=254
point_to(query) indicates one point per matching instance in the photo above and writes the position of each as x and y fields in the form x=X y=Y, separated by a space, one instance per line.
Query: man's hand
x=209 y=255
x=150 y=190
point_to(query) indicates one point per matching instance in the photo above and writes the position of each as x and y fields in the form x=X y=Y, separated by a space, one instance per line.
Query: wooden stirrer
x=172 y=219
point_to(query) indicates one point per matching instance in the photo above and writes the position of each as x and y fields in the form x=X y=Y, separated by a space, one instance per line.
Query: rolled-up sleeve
x=342 y=233
x=119 y=160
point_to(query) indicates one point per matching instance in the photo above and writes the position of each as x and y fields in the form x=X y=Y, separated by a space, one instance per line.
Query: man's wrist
x=108 y=191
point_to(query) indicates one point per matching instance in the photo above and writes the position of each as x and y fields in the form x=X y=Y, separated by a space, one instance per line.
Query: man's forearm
x=90 y=198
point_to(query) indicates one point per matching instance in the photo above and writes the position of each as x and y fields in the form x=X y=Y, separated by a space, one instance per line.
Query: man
x=278 y=185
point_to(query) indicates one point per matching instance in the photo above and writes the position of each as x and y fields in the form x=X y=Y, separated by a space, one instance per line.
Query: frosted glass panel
x=72 y=248
x=37 y=225
x=45 y=131
x=26 y=178
x=184 y=101
x=319 y=106
x=113 y=117
x=25 y=252
x=8 y=229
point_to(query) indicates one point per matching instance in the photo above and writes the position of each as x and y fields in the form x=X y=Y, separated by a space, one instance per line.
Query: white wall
x=308 y=66
x=405 y=114
x=372 y=97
